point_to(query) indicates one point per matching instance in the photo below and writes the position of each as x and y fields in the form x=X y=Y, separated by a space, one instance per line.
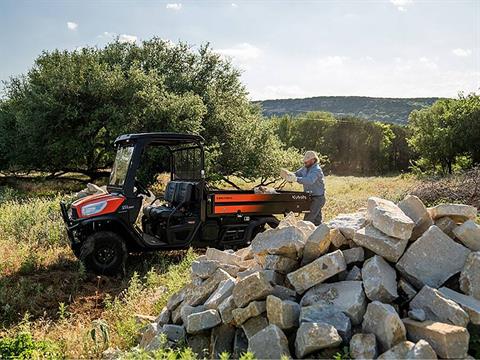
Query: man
x=312 y=179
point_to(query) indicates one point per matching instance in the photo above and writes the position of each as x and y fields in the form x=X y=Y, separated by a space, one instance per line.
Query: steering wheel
x=142 y=189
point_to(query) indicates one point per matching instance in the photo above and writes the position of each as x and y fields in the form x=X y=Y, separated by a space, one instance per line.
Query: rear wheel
x=104 y=253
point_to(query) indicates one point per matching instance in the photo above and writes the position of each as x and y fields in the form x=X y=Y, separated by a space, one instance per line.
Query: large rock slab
x=164 y=316
x=317 y=271
x=224 y=290
x=284 y=293
x=389 y=218
x=200 y=344
x=198 y=322
x=424 y=261
x=174 y=333
x=439 y=308
x=204 y=268
x=447 y=225
x=317 y=243
x=363 y=346
x=223 y=257
x=312 y=337
x=346 y=296
x=457 y=212
x=221 y=340
x=186 y=310
x=468 y=303
x=283 y=313
x=337 y=238
x=381 y=244
x=253 y=309
x=196 y=295
x=422 y=350
x=240 y=344
x=379 y=280
x=470 y=276
x=288 y=241
x=406 y=291
x=269 y=343
x=226 y=308
x=414 y=208
x=448 y=341
x=348 y=224
x=253 y=287
x=320 y=313
x=254 y=325
x=469 y=234
x=398 y=352
x=279 y=263
x=383 y=321
x=354 y=255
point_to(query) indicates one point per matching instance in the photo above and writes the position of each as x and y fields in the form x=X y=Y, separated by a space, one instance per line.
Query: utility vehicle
x=104 y=228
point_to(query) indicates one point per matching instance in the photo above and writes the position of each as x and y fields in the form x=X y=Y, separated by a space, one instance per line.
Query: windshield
x=120 y=166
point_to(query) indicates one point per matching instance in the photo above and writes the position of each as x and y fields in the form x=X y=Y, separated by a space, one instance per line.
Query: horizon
x=383 y=49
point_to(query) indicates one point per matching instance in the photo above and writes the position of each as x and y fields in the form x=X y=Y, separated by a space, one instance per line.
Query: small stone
x=414 y=208
x=221 y=340
x=354 y=275
x=253 y=287
x=317 y=271
x=447 y=225
x=469 y=234
x=164 y=317
x=421 y=350
x=379 y=280
x=317 y=243
x=348 y=224
x=147 y=334
x=381 y=244
x=468 y=303
x=173 y=332
x=312 y=337
x=204 y=320
x=448 y=341
x=204 y=268
x=283 y=313
x=284 y=293
x=222 y=257
x=424 y=261
x=398 y=352
x=253 y=309
x=269 y=343
x=288 y=241
x=319 y=313
x=254 y=325
x=363 y=346
x=406 y=290
x=439 y=308
x=354 y=255
x=417 y=315
x=457 y=212
x=470 y=276
x=226 y=308
x=281 y=264
x=224 y=290
x=187 y=310
x=389 y=218
x=383 y=321
x=337 y=238
x=346 y=296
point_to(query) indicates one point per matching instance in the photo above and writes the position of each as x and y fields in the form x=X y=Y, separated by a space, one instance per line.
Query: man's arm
x=311 y=177
x=298 y=172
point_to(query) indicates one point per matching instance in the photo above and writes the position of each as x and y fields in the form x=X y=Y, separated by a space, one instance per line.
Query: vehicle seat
x=176 y=193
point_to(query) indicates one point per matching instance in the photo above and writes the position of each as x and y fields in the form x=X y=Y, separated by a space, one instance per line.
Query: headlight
x=92 y=209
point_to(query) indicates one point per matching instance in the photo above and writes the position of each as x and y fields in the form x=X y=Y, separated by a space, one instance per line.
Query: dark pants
x=315 y=213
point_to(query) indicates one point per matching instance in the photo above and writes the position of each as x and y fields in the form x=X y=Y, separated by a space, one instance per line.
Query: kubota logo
x=299 y=197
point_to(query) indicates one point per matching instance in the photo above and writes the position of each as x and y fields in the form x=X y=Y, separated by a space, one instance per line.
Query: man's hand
x=291 y=177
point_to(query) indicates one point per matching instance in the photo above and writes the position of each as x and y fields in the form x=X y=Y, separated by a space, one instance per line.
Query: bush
x=23 y=346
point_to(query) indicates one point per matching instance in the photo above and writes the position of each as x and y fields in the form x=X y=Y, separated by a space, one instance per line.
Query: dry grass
x=44 y=289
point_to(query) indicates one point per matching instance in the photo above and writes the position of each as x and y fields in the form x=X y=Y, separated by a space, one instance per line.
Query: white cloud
x=234 y=5
x=124 y=38
x=462 y=52
x=72 y=25
x=401 y=5
x=332 y=61
x=108 y=34
x=174 y=6
x=241 y=52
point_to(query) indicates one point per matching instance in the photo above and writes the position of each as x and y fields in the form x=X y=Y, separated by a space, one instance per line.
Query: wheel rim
x=105 y=255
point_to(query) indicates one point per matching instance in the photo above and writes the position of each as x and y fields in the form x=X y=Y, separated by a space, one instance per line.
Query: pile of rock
x=390 y=281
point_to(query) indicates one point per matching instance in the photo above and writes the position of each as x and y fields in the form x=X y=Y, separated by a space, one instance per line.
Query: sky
x=285 y=49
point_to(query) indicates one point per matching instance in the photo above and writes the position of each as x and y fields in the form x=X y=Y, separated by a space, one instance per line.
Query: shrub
x=23 y=346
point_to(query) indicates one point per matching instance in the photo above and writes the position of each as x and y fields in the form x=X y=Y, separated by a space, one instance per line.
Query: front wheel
x=104 y=253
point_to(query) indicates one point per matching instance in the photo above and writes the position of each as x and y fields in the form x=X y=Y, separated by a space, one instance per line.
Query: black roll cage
x=166 y=139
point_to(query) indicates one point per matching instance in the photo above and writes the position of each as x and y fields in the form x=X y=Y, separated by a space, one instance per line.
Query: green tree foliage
x=65 y=113
x=447 y=134
x=351 y=146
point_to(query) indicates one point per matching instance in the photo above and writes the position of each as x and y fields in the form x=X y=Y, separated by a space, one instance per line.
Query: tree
x=64 y=114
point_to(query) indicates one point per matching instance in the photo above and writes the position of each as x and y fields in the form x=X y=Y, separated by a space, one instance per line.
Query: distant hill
x=392 y=110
